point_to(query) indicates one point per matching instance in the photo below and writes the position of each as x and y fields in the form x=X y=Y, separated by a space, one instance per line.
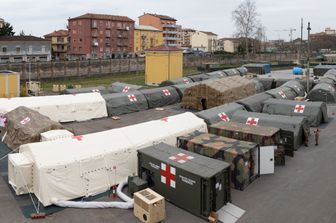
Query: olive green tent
x=323 y=92
x=315 y=112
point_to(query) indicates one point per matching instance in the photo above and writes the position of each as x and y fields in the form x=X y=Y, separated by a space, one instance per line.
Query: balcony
x=94 y=26
x=60 y=50
x=94 y=43
x=170 y=26
x=170 y=32
x=123 y=28
x=24 y=53
x=174 y=44
x=122 y=36
x=94 y=34
x=108 y=44
x=171 y=38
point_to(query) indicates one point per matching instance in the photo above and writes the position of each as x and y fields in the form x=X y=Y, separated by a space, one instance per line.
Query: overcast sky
x=39 y=17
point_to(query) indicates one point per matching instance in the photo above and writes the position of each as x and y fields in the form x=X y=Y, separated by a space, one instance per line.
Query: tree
x=7 y=30
x=245 y=17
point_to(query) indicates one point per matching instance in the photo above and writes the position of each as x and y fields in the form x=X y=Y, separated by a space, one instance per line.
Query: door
x=267 y=159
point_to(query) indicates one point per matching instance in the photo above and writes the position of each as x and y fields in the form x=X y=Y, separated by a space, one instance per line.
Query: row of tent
x=325 y=90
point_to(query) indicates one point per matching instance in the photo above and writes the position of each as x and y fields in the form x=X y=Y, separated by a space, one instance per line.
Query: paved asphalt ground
x=302 y=191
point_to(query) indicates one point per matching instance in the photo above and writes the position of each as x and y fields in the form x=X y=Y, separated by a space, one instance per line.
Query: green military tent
x=220 y=113
x=98 y=89
x=218 y=74
x=118 y=87
x=294 y=129
x=315 y=112
x=255 y=102
x=200 y=77
x=323 y=92
x=281 y=81
x=182 y=80
x=296 y=86
x=180 y=88
x=259 y=86
x=159 y=97
x=320 y=70
x=232 y=72
x=242 y=70
x=124 y=103
x=282 y=92
x=267 y=82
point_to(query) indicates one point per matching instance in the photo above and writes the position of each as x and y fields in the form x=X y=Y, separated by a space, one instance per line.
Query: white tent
x=91 y=164
x=61 y=108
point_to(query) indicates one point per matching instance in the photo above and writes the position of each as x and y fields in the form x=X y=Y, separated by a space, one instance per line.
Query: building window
x=43 y=48
x=80 y=40
x=74 y=32
x=80 y=23
x=18 y=49
x=4 y=49
x=80 y=49
x=30 y=49
x=74 y=23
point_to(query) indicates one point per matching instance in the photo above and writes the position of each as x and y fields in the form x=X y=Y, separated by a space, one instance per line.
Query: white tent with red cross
x=90 y=164
x=60 y=108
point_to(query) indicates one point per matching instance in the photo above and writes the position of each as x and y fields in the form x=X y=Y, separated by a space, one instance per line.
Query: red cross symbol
x=132 y=97
x=25 y=121
x=186 y=81
x=299 y=108
x=164 y=119
x=95 y=90
x=166 y=92
x=181 y=158
x=126 y=89
x=252 y=121
x=78 y=138
x=224 y=117
x=168 y=175
x=282 y=94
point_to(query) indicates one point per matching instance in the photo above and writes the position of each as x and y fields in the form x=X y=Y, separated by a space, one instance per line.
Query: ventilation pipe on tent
x=128 y=204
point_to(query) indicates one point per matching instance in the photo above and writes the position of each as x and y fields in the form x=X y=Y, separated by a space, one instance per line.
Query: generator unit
x=196 y=183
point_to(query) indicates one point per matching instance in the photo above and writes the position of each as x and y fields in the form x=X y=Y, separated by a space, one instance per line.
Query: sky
x=39 y=17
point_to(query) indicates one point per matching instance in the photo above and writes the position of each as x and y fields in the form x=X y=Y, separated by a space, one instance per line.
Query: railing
x=170 y=32
x=171 y=38
x=170 y=25
x=24 y=53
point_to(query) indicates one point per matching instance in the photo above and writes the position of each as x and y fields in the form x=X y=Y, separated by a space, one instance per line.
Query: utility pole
x=308 y=57
x=300 y=45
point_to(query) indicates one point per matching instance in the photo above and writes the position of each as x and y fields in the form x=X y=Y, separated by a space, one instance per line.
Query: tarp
x=327 y=80
x=25 y=125
x=330 y=77
x=220 y=113
x=124 y=103
x=323 y=92
x=267 y=82
x=91 y=164
x=61 y=108
x=315 y=112
x=180 y=88
x=118 y=87
x=282 y=92
x=200 y=77
x=255 y=102
x=258 y=68
x=98 y=89
x=159 y=97
x=182 y=80
x=213 y=93
x=299 y=126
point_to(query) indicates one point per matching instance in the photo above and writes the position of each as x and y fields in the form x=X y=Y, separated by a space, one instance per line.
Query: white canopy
x=60 y=108
x=92 y=163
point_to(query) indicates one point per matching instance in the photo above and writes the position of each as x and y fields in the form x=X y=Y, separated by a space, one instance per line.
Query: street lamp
x=308 y=57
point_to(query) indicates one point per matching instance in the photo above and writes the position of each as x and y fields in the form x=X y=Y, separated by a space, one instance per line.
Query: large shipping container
x=243 y=156
x=196 y=183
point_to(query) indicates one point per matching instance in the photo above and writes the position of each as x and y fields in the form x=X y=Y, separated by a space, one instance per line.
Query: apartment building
x=186 y=37
x=170 y=30
x=24 y=48
x=229 y=45
x=146 y=37
x=2 y=22
x=59 y=43
x=204 y=41
x=100 y=36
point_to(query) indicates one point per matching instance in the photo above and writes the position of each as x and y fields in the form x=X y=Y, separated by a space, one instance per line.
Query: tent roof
x=255 y=102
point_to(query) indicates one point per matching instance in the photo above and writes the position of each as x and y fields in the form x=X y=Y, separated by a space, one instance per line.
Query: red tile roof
x=21 y=38
x=164 y=17
x=164 y=47
x=103 y=17
x=57 y=33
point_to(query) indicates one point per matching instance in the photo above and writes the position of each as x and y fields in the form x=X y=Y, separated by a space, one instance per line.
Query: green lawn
x=131 y=78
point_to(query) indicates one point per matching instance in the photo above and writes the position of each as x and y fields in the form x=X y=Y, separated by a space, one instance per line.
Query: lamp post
x=308 y=57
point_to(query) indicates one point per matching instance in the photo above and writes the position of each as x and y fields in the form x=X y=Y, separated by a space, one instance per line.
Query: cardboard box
x=149 y=207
